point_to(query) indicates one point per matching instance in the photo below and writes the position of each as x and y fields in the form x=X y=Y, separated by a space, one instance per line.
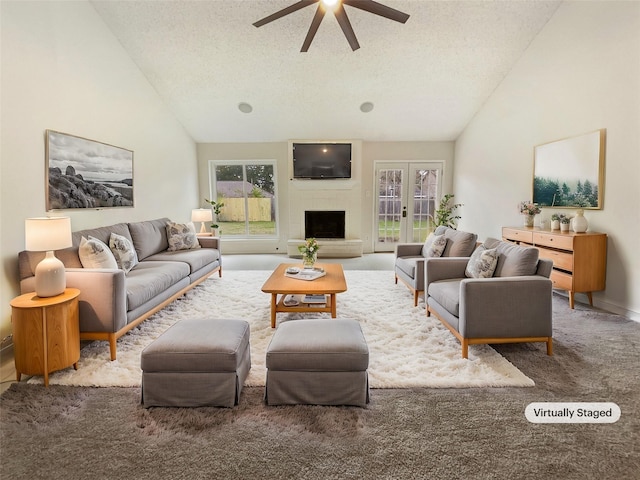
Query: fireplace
x=324 y=224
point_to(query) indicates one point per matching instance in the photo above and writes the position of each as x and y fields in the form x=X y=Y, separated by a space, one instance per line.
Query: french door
x=408 y=194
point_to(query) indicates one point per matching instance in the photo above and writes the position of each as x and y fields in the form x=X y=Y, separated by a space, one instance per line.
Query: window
x=248 y=190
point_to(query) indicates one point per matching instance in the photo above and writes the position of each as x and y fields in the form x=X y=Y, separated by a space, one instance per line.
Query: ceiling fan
x=341 y=16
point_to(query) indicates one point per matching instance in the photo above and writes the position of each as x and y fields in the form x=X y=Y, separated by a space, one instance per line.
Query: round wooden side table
x=46 y=333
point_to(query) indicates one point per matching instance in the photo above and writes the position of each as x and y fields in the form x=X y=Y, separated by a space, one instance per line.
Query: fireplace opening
x=324 y=224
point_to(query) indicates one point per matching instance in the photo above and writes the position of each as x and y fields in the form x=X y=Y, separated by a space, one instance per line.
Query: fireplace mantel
x=329 y=248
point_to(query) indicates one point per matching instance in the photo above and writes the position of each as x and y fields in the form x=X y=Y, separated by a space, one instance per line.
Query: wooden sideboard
x=579 y=259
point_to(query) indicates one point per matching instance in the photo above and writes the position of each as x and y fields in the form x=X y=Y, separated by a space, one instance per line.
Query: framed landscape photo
x=570 y=173
x=83 y=173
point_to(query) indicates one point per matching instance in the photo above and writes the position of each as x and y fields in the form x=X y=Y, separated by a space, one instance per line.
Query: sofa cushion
x=196 y=259
x=149 y=237
x=482 y=263
x=95 y=253
x=513 y=260
x=124 y=252
x=434 y=246
x=459 y=243
x=148 y=279
x=181 y=236
x=447 y=294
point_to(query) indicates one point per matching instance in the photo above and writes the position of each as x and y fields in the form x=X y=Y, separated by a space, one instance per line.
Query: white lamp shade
x=47 y=233
x=201 y=215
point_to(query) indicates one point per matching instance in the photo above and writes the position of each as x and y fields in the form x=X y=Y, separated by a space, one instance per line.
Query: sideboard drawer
x=553 y=240
x=561 y=260
x=517 y=235
x=561 y=280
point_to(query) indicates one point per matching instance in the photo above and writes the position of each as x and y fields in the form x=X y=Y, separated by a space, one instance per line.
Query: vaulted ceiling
x=426 y=79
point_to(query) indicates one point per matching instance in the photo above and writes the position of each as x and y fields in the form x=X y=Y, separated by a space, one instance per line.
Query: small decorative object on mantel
x=565 y=223
x=309 y=252
x=529 y=210
x=579 y=223
x=555 y=221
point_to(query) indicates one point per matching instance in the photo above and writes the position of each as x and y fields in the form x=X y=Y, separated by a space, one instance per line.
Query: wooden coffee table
x=278 y=284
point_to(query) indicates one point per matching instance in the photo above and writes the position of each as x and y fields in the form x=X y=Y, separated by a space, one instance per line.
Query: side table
x=46 y=333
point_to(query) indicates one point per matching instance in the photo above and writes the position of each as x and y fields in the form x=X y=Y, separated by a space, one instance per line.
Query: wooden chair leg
x=416 y=295
x=465 y=348
x=550 y=346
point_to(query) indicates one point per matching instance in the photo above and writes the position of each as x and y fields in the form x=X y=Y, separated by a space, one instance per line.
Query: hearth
x=324 y=224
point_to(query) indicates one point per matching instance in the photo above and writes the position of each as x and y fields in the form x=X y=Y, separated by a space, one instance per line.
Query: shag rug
x=406 y=348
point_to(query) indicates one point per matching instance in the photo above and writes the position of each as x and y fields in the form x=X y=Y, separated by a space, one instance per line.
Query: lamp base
x=50 y=276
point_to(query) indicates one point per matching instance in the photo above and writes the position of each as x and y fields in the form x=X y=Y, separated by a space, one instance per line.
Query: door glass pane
x=389 y=204
x=425 y=183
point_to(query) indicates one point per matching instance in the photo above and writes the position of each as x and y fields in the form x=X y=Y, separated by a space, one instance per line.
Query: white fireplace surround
x=326 y=195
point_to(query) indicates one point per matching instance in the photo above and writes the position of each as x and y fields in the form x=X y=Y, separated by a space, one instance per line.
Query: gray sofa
x=505 y=302
x=113 y=302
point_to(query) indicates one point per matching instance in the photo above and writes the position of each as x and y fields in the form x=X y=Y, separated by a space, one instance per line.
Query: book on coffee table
x=309 y=298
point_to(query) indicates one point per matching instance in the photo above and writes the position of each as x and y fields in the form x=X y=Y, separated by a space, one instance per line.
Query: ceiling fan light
x=329 y=3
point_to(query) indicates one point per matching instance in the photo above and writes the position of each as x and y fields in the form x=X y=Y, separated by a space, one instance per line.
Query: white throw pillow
x=434 y=246
x=482 y=263
x=123 y=251
x=182 y=236
x=95 y=253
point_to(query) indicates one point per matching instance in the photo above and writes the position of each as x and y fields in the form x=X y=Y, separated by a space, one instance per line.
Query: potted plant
x=309 y=252
x=555 y=222
x=217 y=208
x=565 y=222
x=444 y=213
x=529 y=210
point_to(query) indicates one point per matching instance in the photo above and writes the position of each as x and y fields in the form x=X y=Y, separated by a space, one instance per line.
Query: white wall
x=580 y=74
x=62 y=69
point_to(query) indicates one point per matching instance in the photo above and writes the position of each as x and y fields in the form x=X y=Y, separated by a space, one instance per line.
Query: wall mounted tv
x=321 y=160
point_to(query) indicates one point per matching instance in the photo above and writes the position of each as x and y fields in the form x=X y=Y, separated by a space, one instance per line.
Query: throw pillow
x=94 y=253
x=182 y=236
x=123 y=251
x=482 y=263
x=434 y=246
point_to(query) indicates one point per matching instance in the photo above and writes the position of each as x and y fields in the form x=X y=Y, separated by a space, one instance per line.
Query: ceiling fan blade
x=285 y=11
x=347 y=29
x=378 y=9
x=315 y=24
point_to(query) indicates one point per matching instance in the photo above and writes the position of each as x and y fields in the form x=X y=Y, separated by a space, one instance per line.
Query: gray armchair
x=410 y=257
x=510 y=304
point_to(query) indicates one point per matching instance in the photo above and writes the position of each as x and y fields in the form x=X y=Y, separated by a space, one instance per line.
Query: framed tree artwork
x=570 y=172
x=83 y=173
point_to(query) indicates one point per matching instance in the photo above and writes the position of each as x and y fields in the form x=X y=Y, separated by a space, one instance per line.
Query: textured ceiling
x=426 y=78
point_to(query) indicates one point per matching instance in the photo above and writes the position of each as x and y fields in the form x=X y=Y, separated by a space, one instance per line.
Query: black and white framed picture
x=83 y=173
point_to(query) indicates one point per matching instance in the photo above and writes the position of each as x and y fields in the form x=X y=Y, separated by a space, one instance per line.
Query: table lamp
x=201 y=215
x=46 y=234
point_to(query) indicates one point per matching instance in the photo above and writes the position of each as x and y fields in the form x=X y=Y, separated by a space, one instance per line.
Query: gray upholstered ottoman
x=320 y=362
x=197 y=362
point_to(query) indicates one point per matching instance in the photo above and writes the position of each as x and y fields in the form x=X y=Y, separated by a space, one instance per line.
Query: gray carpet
x=104 y=433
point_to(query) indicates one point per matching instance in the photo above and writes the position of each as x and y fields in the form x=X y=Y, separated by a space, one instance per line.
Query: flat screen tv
x=321 y=160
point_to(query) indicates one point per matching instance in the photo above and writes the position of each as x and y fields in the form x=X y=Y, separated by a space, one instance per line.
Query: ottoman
x=319 y=362
x=197 y=362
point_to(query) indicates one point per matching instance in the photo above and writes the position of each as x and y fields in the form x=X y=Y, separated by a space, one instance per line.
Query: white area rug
x=406 y=348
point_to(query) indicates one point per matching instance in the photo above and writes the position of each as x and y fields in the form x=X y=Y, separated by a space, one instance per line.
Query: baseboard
x=607 y=306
